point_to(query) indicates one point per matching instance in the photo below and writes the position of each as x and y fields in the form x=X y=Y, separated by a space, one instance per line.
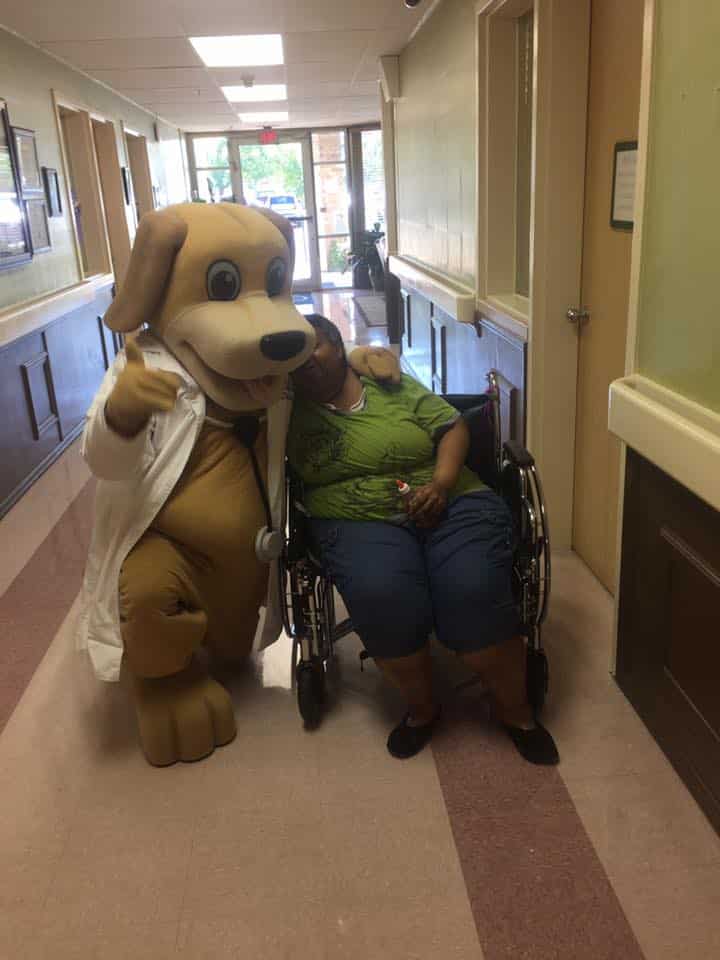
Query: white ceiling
x=140 y=48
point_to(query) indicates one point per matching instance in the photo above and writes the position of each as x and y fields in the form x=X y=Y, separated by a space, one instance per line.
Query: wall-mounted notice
x=622 y=214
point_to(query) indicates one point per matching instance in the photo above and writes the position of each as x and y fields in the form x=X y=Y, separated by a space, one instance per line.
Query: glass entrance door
x=279 y=176
x=332 y=190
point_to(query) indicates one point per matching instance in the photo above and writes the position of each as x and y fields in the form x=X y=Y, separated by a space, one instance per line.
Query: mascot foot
x=183 y=717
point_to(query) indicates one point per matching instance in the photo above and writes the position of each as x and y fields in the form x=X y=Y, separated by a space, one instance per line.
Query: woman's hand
x=427 y=504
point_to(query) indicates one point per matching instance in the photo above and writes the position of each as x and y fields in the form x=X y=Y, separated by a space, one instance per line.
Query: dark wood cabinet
x=47 y=381
x=451 y=357
x=78 y=360
x=668 y=661
x=29 y=431
x=417 y=344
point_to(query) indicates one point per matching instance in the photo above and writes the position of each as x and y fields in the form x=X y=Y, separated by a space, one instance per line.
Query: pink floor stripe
x=35 y=604
x=535 y=884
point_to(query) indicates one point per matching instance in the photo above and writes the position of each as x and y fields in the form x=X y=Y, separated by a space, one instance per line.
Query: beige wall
x=436 y=141
x=27 y=77
x=679 y=305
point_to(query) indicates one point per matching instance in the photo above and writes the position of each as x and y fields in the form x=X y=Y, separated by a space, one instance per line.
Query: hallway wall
x=27 y=78
x=669 y=596
x=435 y=143
x=678 y=328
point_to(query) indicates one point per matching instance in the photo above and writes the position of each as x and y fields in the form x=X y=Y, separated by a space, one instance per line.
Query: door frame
x=646 y=79
x=560 y=85
x=136 y=151
x=88 y=185
x=235 y=141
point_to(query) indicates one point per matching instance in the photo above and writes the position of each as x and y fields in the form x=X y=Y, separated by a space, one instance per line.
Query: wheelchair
x=307 y=593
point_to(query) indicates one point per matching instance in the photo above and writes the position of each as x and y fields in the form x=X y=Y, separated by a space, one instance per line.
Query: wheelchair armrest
x=518 y=455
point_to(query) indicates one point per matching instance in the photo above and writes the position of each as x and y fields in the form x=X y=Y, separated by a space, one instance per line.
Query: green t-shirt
x=349 y=462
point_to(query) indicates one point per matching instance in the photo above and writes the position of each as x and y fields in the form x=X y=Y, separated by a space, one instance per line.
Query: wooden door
x=113 y=195
x=140 y=173
x=84 y=190
x=613 y=116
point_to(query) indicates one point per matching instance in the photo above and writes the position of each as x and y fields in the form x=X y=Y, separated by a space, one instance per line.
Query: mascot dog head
x=213 y=282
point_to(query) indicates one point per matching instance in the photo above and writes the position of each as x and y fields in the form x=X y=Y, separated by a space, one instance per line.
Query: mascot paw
x=183 y=717
x=378 y=363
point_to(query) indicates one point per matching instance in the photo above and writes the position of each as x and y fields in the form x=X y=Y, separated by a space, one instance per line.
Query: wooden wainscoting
x=668 y=661
x=47 y=381
x=452 y=357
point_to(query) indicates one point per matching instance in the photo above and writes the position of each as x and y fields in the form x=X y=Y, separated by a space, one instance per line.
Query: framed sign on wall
x=14 y=234
x=52 y=191
x=622 y=214
x=28 y=166
x=38 y=222
x=32 y=188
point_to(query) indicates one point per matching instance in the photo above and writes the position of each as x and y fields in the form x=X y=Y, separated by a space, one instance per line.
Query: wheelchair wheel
x=537 y=678
x=310 y=681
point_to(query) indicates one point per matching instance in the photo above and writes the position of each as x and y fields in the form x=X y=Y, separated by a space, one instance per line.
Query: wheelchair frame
x=307 y=597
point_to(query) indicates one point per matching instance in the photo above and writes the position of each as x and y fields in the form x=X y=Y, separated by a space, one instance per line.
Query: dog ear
x=159 y=236
x=285 y=228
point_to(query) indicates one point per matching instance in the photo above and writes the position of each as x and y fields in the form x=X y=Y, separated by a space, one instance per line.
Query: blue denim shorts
x=400 y=582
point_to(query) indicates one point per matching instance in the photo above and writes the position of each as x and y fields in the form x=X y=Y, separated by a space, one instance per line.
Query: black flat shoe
x=405 y=741
x=536 y=746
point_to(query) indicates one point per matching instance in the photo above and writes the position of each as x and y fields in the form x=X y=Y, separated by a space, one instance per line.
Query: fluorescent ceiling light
x=261 y=50
x=258 y=92
x=279 y=116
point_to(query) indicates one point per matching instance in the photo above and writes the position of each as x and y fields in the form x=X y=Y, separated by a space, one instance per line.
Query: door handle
x=578 y=316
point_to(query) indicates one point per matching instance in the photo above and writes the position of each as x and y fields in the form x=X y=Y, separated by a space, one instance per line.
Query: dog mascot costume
x=187 y=438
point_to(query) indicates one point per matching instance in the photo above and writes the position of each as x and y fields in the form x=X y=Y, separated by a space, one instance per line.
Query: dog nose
x=282 y=346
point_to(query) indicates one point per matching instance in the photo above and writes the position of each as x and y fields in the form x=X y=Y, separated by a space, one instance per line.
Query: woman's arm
x=451 y=454
x=428 y=503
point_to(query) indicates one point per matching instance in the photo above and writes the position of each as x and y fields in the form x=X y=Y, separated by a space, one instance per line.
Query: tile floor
x=292 y=845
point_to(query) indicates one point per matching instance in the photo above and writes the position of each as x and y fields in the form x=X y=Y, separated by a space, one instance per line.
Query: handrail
x=454 y=298
x=23 y=318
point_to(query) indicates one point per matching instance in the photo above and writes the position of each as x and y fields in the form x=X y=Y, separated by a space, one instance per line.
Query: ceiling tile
x=196 y=110
x=320 y=72
x=81 y=20
x=158 y=77
x=326 y=47
x=176 y=95
x=223 y=17
x=124 y=54
x=229 y=76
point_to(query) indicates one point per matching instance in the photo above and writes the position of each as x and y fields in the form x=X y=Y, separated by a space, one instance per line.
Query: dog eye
x=223 y=280
x=276 y=277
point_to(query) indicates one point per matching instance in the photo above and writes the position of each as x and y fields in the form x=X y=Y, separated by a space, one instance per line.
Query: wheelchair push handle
x=518 y=455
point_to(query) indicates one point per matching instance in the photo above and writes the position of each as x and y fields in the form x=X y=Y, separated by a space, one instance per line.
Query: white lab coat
x=135 y=479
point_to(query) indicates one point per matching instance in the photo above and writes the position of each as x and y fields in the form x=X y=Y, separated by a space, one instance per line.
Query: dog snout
x=283 y=346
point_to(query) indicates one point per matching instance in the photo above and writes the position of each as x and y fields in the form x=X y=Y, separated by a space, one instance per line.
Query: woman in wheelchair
x=439 y=559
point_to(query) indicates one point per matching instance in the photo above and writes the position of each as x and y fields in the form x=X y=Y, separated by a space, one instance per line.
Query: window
x=373 y=178
x=212 y=166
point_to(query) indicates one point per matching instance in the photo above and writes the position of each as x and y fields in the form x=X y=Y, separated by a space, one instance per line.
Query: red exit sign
x=268 y=136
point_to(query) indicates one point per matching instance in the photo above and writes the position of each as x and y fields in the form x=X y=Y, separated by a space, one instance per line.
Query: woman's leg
x=469 y=562
x=379 y=570
x=412 y=676
x=503 y=670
